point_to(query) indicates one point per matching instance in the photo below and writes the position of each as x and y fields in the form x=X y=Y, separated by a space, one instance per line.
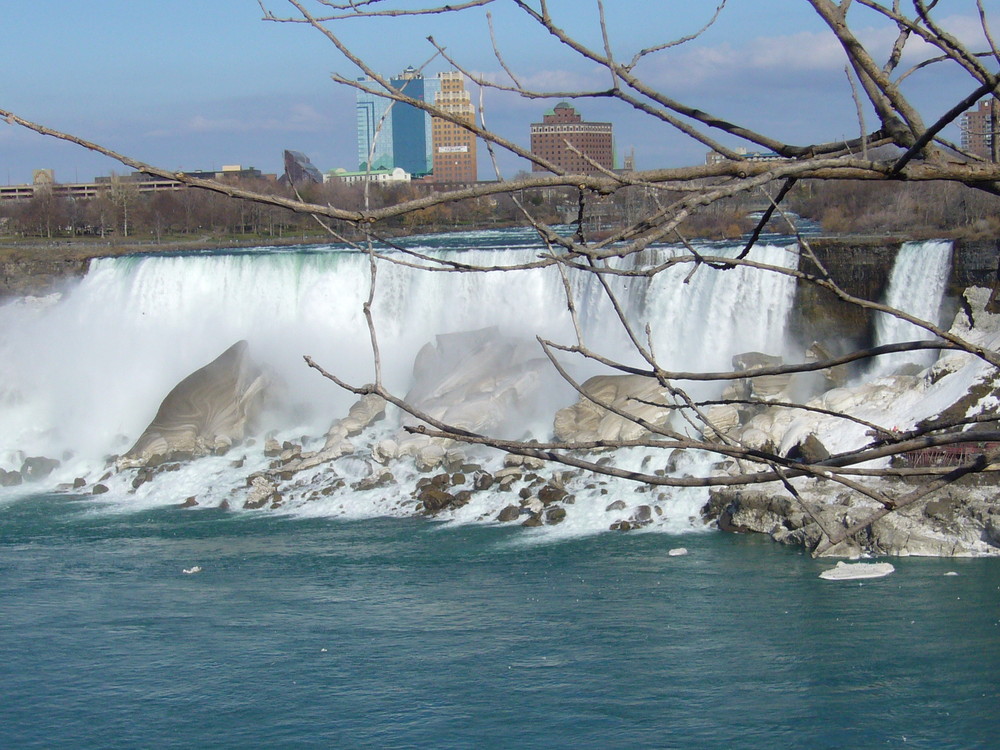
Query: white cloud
x=768 y=61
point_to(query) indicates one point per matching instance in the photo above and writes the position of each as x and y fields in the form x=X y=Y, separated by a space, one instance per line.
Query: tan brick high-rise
x=454 y=147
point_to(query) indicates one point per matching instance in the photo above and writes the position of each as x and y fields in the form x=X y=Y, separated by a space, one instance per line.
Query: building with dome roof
x=563 y=139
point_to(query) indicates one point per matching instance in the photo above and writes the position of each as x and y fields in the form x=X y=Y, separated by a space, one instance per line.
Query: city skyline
x=197 y=85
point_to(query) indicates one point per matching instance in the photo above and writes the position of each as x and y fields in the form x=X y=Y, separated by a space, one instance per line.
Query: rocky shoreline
x=476 y=380
x=960 y=521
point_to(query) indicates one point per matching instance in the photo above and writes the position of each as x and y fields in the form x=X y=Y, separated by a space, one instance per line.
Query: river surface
x=403 y=633
x=344 y=622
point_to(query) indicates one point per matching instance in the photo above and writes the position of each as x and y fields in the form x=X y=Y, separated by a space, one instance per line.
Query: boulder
x=429 y=457
x=763 y=386
x=208 y=410
x=481 y=380
x=723 y=419
x=380 y=477
x=835 y=376
x=643 y=515
x=754 y=360
x=555 y=515
x=435 y=499
x=810 y=450
x=10 y=478
x=38 y=467
x=368 y=409
x=262 y=491
x=509 y=513
x=385 y=450
x=533 y=505
x=550 y=494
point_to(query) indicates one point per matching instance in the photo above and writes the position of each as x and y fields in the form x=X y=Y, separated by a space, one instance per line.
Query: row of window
x=585 y=127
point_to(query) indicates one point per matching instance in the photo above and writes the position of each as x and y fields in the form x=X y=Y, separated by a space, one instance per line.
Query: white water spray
x=81 y=378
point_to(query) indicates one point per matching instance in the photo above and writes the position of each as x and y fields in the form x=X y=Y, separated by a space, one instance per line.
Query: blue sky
x=195 y=84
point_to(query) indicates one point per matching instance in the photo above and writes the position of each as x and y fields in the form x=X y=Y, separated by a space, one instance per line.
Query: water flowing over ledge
x=187 y=371
x=84 y=375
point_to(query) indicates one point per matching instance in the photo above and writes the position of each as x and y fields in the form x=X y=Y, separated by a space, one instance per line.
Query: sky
x=198 y=84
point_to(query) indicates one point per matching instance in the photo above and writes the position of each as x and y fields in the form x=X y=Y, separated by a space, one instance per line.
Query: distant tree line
x=926 y=208
x=122 y=211
x=841 y=207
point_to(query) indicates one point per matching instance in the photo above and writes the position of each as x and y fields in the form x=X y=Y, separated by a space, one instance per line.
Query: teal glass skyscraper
x=394 y=134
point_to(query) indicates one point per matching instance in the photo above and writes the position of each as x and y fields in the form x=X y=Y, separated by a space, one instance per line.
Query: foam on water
x=83 y=376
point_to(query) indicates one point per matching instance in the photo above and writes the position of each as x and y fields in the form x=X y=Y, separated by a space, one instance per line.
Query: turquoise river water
x=401 y=633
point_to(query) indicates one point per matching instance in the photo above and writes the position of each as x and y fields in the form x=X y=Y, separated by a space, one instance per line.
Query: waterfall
x=82 y=375
x=96 y=364
x=702 y=322
x=916 y=286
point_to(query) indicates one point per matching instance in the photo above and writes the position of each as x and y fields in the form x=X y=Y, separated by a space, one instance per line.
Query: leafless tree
x=904 y=145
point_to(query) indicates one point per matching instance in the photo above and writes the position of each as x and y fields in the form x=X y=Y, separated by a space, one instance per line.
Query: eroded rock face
x=961 y=520
x=207 y=411
x=958 y=522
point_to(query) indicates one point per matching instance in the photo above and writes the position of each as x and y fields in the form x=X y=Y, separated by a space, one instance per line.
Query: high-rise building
x=979 y=127
x=563 y=139
x=374 y=130
x=395 y=134
x=411 y=128
x=454 y=146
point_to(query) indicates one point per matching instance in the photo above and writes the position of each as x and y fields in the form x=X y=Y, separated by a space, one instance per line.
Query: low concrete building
x=380 y=176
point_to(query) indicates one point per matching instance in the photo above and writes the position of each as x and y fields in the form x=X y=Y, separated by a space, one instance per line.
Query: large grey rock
x=479 y=380
x=508 y=514
x=10 y=478
x=639 y=397
x=207 y=411
x=482 y=381
x=38 y=467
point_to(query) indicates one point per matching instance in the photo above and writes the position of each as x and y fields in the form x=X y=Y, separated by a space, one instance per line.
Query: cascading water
x=701 y=322
x=916 y=286
x=82 y=376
